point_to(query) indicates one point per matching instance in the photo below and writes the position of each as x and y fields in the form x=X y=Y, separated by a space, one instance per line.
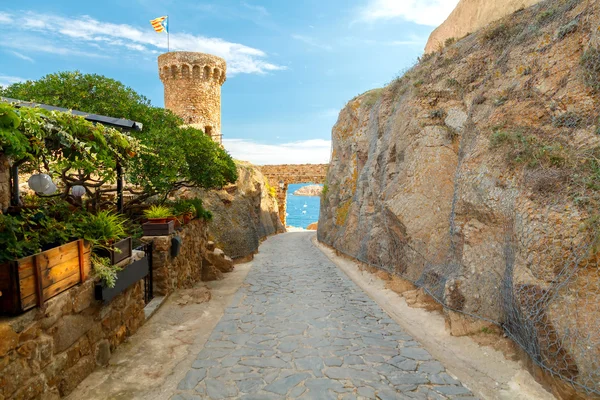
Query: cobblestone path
x=300 y=328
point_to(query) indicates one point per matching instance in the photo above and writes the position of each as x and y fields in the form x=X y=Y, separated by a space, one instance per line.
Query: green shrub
x=449 y=42
x=497 y=33
x=530 y=150
x=564 y=30
x=546 y=15
x=437 y=114
x=100 y=229
x=590 y=62
x=567 y=120
x=157 y=211
x=325 y=190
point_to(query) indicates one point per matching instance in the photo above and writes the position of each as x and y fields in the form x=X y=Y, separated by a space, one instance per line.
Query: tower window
x=208 y=130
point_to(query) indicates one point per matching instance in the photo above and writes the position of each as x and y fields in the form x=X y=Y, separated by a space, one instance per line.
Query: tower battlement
x=192 y=83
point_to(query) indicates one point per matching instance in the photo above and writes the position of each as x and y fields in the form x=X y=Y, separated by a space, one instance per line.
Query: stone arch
x=165 y=71
x=207 y=72
x=197 y=71
x=185 y=71
x=283 y=175
x=174 y=71
x=217 y=74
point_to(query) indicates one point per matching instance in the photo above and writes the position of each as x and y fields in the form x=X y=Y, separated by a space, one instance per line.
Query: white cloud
x=22 y=56
x=423 y=12
x=6 y=80
x=5 y=18
x=316 y=151
x=76 y=35
x=258 y=9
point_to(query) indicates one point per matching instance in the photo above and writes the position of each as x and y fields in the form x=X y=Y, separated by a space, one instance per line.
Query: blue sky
x=291 y=65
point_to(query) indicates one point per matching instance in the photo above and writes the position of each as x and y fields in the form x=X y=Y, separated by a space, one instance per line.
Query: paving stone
x=431 y=367
x=353 y=360
x=333 y=362
x=282 y=386
x=322 y=385
x=217 y=389
x=415 y=353
x=192 y=378
x=300 y=328
x=264 y=362
x=297 y=391
x=250 y=385
x=350 y=374
x=315 y=364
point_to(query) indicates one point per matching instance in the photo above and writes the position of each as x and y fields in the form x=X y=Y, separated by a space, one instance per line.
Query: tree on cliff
x=174 y=156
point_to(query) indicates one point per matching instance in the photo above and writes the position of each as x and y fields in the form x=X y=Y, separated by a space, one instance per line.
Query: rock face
x=310 y=191
x=470 y=16
x=466 y=177
x=243 y=214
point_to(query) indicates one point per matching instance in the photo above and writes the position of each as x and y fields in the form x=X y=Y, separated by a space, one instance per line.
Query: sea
x=302 y=210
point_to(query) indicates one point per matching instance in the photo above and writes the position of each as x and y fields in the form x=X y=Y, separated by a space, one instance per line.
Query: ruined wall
x=192 y=83
x=475 y=177
x=4 y=183
x=46 y=352
x=289 y=174
x=470 y=16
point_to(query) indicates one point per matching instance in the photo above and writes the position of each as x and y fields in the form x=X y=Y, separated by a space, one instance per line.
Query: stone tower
x=192 y=84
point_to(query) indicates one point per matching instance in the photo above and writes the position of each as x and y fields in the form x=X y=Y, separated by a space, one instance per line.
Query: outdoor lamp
x=51 y=189
x=39 y=183
x=281 y=185
x=78 y=191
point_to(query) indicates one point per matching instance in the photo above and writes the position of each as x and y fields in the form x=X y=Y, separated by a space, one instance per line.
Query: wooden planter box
x=129 y=276
x=165 y=229
x=117 y=256
x=30 y=281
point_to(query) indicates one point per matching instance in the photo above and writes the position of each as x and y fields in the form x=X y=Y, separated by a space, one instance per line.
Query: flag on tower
x=161 y=24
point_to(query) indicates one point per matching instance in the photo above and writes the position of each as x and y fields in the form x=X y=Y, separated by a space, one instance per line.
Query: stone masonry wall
x=4 y=183
x=46 y=352
x=192 y=84
x=171 y=273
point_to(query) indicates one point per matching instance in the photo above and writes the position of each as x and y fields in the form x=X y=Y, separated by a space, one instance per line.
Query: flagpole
x=168 y=35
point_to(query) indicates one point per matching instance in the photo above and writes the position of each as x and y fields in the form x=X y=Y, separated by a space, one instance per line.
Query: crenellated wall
x=192 y=84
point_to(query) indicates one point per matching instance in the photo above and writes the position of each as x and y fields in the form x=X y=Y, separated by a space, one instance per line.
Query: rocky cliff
x=471 y=15
x=476 y=176
x=243 y=214
x=309 y=191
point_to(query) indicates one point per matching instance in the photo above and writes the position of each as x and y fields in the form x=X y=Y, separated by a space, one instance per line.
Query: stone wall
x=288 y=174
x=192 y=84
x=171 y=273
x=46 y=352
x=4 y=183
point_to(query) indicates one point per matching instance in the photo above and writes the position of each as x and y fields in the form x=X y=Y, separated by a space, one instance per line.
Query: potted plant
x=185 y=210
x=106 y=232
x=157 y=214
